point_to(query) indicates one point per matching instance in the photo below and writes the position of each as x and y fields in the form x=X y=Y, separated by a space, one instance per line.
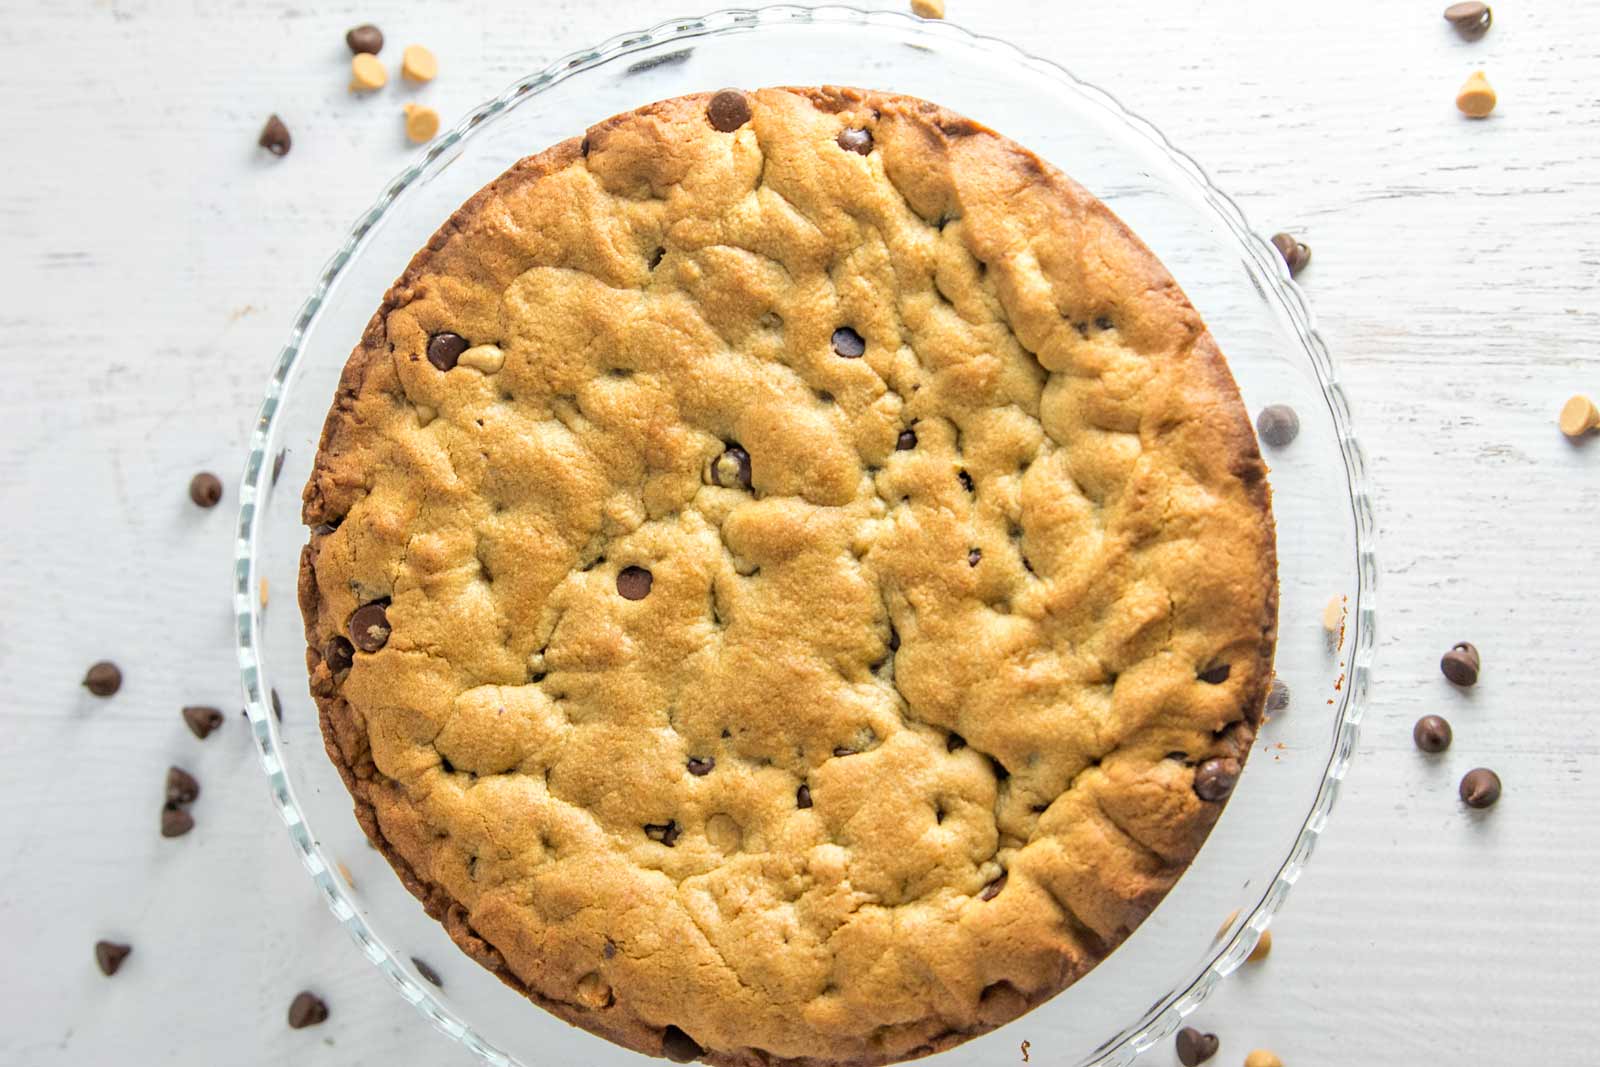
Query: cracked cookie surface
x=791 y=578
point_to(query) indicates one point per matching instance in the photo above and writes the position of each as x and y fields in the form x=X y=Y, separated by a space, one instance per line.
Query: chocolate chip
x=966 y=480
x=108 y=955
x=1196 y=1048
x=181 y=786
x=307 y=1009
x=1102 y=322
x=1461 y=664
x=992 y=890
x=1216 y=675
x=175 y=822
x=633 y=583
x=275 y=136
x=1480 y=788
x=1296 y=254
x=855 y=140
x=656 y=257
x=802 y=796
x=954 y=743
x=202 y=720
x=664 y=832
x=369 y=626
x=339 y=654
x=205 y=489
x=843 y=750
x=428 y=974
x=676 y=1045
x=973 y=556
x=1432 y=734
x=906 y=441
x=894 y=639
x=365 y=38
x=103 y=679
x=445 y=348
x=1214 y=779
x=1471 y=20
x=728 y=110
x=732 y=468
x=1278 y=425
x=610 y=951
x=1277 y=695
x=848 y=343
x=701 y=767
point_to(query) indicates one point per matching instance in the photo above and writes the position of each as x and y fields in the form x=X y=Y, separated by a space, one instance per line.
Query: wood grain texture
x=154 y=260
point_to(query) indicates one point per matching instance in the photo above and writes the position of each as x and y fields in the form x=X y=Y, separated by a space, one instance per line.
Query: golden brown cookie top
x=791 y=573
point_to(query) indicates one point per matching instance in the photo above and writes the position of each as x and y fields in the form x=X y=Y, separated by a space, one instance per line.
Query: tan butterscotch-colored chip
x=791 y=579
x=1262 y=1058
x=1476 y=97
x=1579 y=416
x=1263 y=948
x=367 y=73
x=418 y=64
x=422 y=124
x=928 y=9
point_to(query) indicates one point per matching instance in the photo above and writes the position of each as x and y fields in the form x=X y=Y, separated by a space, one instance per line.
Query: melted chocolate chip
x=633 y=583
x=1215 y=778
x=906 y=441
x=666 y=833
x=678 y=1046
x=369 y=626
x=728 y=110
x=445 y=348
x=973 y=556
x=339 y=654
x=1216 y=675
x=701 y=767
x=848 y=344
x=802 y=796
x=855 y=140
x=731 y=469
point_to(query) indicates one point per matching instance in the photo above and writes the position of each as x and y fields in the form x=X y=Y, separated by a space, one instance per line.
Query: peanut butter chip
x=485 y=358
x=418 y=64
x=1263 y=948
x=421 y=124
x=1476 y=98
x=1262 y=1058
x=1579 y=417
x=928 y=9
x=367 y=73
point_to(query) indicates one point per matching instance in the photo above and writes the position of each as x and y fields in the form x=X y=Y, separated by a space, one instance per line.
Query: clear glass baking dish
x=1211 y=920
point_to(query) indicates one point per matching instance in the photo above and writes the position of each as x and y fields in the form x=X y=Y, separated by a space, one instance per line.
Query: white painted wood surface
x=153 y=260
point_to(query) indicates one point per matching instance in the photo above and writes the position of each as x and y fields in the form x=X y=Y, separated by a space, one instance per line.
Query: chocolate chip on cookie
x=202 y=720
x=445 y=348
x=701 y=767
x=855 y=140
x=679 y=1047
x=369 y=626
x=731 y=469
x=802 y=796
x=848 y=344
x=1214 y=779
x=664 y=832
x=1216 y=675
x=906 y=441
x=339 y=654
x=992 y=890
x=728 y=110
x=633 y=583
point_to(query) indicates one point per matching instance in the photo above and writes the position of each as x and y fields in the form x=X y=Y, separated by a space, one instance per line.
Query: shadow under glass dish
x=1260 y=321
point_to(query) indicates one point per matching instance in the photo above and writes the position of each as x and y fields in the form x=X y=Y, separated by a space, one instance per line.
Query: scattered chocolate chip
x=1278 y=425
x=275 y=136
x=339 y=654
x=701 y=767
x=1277 y=695
x=1432 y=734
x=445 y=348
x=277 y=704
x=676 y=1045
x=369 y=626
x=175 y=822
x=428 y=974
x=852 y=140
x=205 y=489
x=656 y=257
x=103 y=679
x=802 y=796
x=365 y=38
x=108 y=955
x=610 y=951
x=894 y=639
x=1214 y=779
x=202 y=720
x=732 y=468
x=1471 y=20
x=992 y=890
x=728 y=110
x=665 y=832
x=848 y=343
x=1196 y=1048
x=966 y=480
x=633 y=583
x=973 y=556
x=843 y=750
x=277 y=466
x=1480 y=788
x=954 y=743
x=1461 y=664
x=1102 y=322
x=1216 y=675
x=906 y=441
x=307 y=1009
x=1296 y=254
x=182 y=788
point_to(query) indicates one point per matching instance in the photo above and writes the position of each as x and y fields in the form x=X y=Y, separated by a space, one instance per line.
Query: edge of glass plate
x=1162 y=1018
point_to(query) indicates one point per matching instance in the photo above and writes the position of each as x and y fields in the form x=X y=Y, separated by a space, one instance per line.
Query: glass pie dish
x=1212 y=918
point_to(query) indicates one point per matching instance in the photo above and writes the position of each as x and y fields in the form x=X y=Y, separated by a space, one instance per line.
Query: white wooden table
x=154 y=257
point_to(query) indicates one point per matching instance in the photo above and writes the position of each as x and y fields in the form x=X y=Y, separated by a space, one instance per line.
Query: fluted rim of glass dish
x=1162 y=1018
